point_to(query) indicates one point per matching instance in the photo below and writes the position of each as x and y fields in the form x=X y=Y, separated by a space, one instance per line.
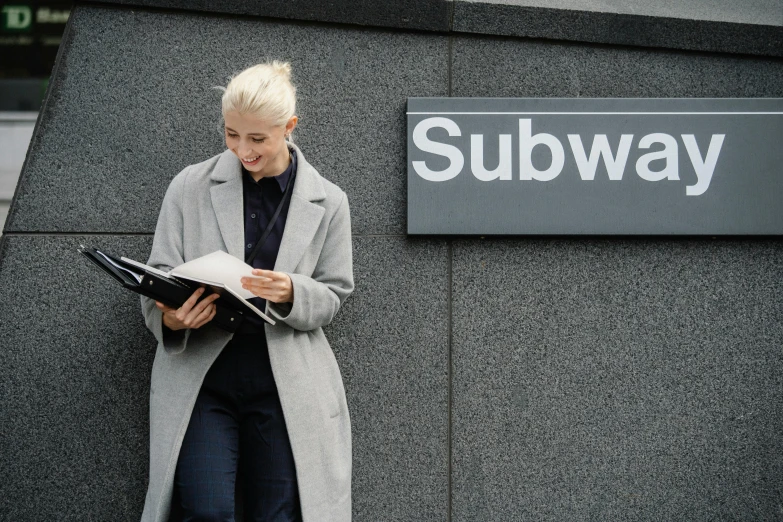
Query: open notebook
x=218 y=271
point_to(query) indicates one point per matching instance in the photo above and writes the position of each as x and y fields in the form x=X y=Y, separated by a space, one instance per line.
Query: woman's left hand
x=270 y=285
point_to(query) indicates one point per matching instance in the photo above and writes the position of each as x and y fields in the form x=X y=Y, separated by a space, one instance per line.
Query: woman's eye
x=235 y=136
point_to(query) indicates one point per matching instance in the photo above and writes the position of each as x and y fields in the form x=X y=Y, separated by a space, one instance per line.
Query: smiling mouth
x=250 y=160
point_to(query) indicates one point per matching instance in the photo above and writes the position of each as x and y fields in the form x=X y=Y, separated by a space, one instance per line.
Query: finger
x=202 y=320
x=270 y=294
x=270 y=274
x=200 y=307
x=256 y=289
x=258 y=292
x=267 y=283
x=203 y=317
x=184 y=311
x=249 y=280
x=257 y=286
x=187 y=305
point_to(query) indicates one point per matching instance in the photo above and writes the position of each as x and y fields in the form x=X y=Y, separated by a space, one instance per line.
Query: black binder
x=170 y=291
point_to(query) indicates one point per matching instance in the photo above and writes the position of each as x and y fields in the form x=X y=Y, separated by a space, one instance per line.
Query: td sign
x=594 y=166
x=17 y=17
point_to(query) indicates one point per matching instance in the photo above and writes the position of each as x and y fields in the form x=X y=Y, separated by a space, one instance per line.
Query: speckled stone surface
x=74 y=383
x=698 y=26
x=76 y=358
x=748 y=27
x=617 y=380
x=499 y=67
x=431 y=15
x=132 y=103
x=764 y=12
x=391 y=342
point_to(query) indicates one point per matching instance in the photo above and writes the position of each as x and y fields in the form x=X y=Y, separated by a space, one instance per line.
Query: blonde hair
x=264 y=91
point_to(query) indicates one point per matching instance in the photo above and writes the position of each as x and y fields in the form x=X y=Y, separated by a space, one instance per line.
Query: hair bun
x=263 y=90
x=282 y=68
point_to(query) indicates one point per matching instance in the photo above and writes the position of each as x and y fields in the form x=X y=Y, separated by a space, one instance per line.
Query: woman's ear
x=291 y=125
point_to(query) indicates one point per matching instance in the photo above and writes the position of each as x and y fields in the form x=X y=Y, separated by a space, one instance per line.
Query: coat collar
x=304 y=216
x=308 y=182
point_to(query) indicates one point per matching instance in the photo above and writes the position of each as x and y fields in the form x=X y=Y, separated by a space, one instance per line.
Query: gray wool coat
x=202 y=212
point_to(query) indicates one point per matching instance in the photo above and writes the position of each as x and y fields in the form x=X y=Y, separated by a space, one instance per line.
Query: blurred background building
x=30 y=35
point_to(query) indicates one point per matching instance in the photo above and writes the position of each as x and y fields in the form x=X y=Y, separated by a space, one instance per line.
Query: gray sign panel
x=483 y=166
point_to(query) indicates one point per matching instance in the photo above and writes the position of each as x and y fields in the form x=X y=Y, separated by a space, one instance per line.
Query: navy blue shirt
x=261 y=199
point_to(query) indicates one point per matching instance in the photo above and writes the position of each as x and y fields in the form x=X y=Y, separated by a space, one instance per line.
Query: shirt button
x=253 y=216
x=249 y=245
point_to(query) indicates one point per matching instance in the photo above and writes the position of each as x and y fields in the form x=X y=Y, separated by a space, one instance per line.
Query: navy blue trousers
x=237 y=426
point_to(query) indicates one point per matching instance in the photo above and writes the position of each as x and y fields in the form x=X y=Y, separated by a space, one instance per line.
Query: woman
x=268 y=401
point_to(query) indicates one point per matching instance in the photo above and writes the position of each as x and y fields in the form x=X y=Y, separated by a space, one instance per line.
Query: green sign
x=17 y=18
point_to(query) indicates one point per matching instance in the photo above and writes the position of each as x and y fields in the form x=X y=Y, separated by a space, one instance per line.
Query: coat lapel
x=227 y=203
x=304 y=216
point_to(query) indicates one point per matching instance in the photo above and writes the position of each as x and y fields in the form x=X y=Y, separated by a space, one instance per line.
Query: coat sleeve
x=318 y=298
x=167 y=252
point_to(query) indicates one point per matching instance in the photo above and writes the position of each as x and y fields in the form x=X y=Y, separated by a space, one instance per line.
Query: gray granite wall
x=488 y=379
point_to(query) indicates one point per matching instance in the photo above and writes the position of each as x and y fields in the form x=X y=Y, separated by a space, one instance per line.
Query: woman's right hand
x=191 y=314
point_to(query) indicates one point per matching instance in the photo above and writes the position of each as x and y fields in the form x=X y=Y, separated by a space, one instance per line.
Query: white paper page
x=218 y=267
x=136 y=276
x=255 y=309
x=198 y=280
x=148 y=268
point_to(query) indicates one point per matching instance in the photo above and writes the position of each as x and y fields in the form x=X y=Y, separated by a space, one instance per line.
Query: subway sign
x=533 y=166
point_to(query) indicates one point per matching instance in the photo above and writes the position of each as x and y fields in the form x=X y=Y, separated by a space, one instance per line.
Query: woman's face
x=261 y=147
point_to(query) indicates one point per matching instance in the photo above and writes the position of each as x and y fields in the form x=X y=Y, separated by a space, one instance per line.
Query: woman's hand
x=191 y=314
x=270 y=285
